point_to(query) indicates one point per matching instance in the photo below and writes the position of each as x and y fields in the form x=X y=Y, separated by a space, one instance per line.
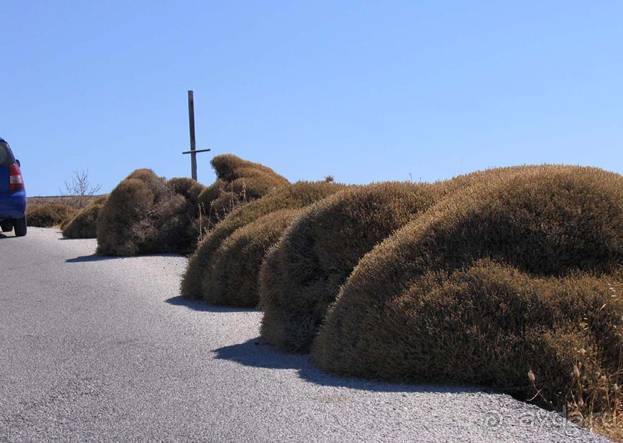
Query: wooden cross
x=191 y=126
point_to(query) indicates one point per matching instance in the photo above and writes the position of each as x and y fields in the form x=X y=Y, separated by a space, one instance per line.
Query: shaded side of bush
x=552 y=243
x=48 y=214
x=293 y=196
x=232 y=277
x=84 y=223
x=238 y=181
x=177 y=218
x=302 y=275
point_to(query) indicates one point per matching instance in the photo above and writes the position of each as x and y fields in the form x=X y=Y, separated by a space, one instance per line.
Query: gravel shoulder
x=105 y=349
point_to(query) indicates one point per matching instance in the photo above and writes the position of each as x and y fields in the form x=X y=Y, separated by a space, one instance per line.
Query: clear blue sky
x=362 y=90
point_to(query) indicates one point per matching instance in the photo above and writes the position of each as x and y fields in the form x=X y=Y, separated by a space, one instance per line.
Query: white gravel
x=105 y=349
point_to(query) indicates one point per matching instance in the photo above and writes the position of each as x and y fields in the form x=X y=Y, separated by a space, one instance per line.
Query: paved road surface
x=104 y=349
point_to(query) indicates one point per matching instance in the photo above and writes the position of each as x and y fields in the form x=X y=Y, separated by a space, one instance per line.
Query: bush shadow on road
x=96 y=257
x=90 y=258
x=259 y=354
x=200 y=305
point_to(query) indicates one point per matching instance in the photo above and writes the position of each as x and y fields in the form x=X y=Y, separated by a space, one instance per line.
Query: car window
x=5 y=153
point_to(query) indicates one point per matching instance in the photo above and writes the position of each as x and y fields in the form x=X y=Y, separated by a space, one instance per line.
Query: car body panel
x=12 y=203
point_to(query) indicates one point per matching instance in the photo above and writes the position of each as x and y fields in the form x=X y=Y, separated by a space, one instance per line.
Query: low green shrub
x=302 y=275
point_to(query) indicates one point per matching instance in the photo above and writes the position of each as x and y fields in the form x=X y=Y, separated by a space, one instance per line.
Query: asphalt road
x=95 y=348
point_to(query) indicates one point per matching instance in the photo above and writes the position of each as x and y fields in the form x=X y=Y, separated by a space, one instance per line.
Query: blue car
x=12 y=193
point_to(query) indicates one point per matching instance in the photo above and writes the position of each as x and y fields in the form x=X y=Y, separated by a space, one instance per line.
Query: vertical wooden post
x=191 y=127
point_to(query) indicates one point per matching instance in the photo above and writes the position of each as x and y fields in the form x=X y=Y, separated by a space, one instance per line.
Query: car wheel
x=7 y=226
x=20 y=227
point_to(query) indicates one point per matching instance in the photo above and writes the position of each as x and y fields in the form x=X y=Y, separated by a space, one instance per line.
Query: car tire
x=20 y=227
x=7 y=226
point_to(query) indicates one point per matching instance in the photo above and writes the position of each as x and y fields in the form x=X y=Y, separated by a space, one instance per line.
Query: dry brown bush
x=232 y=277
x=67 y=200
x=238 y=181
x=123 y=226
x=461 y=182
x=177 y=218
x=46 y=215
x=513 y=283
x=302 y=275
x=145 y=214
x=187 y=187
x=84 y=223
x=293 y=196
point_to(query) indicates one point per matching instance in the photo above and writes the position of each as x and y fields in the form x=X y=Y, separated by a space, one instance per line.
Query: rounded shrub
x=187 y=187
x=177 y=218
x=229 y=168
x=293 y=196
x=124 y=227
x=146 y=214
x=84 y=223
x=49 y=214
x=231 y=279
x=238 y=181
x=492 y=325
x=512 y=283
x=461 y=182
x=301 y=276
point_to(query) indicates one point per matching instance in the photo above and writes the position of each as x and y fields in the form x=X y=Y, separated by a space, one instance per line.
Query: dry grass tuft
x=46 y=215
x=302 y=275
x=513 y=283
x=293 y=196
x=84 y=223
